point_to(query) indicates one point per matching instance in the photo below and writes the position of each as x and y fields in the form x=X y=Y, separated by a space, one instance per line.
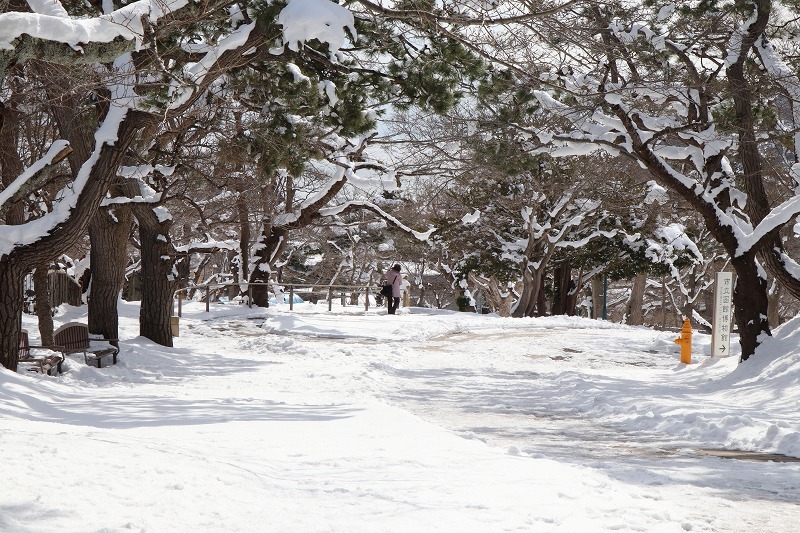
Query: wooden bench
x=49 y=364
x=75 y=338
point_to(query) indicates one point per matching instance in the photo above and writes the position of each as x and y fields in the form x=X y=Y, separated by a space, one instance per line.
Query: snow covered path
x=269 y=421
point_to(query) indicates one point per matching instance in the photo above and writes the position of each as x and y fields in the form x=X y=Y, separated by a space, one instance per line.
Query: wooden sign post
x=723 y=312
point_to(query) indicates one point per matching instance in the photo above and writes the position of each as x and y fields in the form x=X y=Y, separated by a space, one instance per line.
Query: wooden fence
x=312 y=293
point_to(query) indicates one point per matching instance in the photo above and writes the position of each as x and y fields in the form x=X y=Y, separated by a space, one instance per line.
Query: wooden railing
x=325 y=292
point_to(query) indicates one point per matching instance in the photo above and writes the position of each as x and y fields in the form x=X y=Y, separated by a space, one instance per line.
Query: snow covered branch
x=51 y=22
x=355 y=205
x=33 y=176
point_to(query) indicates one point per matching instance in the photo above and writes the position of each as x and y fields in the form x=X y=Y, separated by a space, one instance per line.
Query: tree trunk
x=421 y=297
x=273 y=241
x=242 y=269
x=750 y=303
x=12 y=277
x=531 y=286
x=44 y=311
x=499 y=300
x=159 y=277
x=636 y=301
x=561 y=284
x=541 y=299
x=597 y=297
x=109 y=237
x=12 y=281
x=774 y=298
x=10 y=163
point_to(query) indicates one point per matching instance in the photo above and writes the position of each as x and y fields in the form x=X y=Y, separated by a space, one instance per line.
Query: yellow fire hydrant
x=685 y=342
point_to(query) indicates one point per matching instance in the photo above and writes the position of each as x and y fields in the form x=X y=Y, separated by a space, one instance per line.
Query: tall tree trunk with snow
x=11 y=275
x=270 y=245
x=758 y=204
x=751 y=305
x=541 y=300
x=108 y=232
x=159 y=277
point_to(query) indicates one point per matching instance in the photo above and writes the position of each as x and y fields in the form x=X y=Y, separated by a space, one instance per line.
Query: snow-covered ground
x=309 y=421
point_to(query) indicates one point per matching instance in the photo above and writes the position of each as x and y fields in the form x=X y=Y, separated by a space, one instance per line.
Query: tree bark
x=159 y=277
x=109 y=235
x=561 y=279
x=243 y=211
x=500 y=300
x=565 y=295
x=541 y=300
x=774 y=313
x=636 y=301
x=44 y=311
x=272 y=243
x=12 y=277
x=10 y=162
x=531 y=287
x=751 y=305
x=597 y=297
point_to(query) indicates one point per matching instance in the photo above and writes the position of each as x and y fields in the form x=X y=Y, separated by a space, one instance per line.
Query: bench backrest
x=72 y=336
x=24 y=345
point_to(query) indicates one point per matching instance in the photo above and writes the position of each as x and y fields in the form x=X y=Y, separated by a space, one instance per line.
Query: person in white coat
x=394 y=279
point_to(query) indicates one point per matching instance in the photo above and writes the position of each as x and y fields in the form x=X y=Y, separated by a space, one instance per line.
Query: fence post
x=249 y=296
x=208 y=298
x=366 y=298
x=180 y=302
x=330 y=297
x=291 y=297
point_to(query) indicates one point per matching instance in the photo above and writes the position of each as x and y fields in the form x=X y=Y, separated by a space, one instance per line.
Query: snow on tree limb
x=105 y=137
x=206 y=247
x=57 y=152
x=196 y=72
x=360 y=204
x=598 y=132
x=737 y=45
x=776 y=218
x=125 y=23
x=30 y=232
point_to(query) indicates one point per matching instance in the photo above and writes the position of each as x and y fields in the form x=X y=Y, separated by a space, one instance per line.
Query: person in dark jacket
x=394 y=279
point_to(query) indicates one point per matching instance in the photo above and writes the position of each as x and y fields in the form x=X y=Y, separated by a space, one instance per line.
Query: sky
x=356 y=421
